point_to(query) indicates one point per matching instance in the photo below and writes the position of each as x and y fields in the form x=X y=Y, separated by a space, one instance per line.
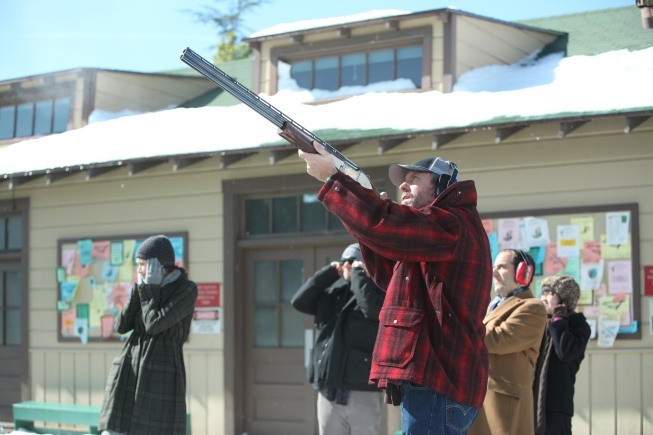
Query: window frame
x=18 y=96
x=360 y=44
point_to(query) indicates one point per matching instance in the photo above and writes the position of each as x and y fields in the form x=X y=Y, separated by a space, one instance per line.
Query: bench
x=26 y=413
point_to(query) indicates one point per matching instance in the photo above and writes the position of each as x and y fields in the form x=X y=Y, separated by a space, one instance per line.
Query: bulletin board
x=598 y=246
x=95 y=276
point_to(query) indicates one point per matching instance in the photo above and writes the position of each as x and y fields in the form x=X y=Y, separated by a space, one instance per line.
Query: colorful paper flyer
x=585 y=226
x=620 y=276
x=616 y=227
x=553 y=264
x=509 y=233
x=591 y=251
x=568 y=237
x=536 y=231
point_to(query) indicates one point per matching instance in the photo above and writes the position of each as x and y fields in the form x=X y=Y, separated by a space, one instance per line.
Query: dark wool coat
x=561 y=352
x=435 y=265
x=514 y=334
x=146 y=387
x=347 y=319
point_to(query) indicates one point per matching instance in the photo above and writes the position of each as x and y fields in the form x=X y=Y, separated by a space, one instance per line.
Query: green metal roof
x=600 y=31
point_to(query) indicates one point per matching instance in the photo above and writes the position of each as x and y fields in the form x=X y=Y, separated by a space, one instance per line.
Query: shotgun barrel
x=289 y=129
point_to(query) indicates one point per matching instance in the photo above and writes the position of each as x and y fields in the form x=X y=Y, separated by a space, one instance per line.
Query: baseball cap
x=435 y=165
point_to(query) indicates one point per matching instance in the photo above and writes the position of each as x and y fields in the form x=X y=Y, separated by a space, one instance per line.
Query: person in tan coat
x=514 y=326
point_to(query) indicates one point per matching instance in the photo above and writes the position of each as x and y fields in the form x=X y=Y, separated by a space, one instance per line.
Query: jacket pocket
x=399 y=329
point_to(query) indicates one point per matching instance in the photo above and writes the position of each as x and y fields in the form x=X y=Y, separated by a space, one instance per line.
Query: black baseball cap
x=435 y=165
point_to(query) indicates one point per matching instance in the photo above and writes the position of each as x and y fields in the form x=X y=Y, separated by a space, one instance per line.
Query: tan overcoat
x=513 y=336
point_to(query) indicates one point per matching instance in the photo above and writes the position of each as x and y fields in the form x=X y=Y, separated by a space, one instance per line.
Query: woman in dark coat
x=562 y=350
x=146 y=388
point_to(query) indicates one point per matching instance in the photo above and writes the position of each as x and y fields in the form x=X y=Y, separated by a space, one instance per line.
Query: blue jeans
x=423 y=411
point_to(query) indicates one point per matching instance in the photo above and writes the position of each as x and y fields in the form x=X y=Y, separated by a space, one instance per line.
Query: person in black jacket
x=347 y=319
x=562 y=350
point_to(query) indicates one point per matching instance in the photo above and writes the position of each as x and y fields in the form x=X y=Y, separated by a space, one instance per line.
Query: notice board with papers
x=94 y=280
x=597 y=245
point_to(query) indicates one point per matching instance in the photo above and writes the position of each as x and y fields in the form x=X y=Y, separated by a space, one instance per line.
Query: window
x=278 y=324
x=359 y=69
x=11 y=278
x=288 y=215
x=11 y=233
x=34 y=118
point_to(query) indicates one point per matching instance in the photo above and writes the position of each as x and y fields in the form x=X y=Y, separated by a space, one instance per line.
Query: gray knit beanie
x=565 y=287
x=158 y=247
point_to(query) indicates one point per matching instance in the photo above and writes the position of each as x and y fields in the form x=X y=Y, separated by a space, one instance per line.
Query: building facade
x=251 y=222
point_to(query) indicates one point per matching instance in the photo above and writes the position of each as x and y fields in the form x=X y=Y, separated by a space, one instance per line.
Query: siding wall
x=596 y=164
x=156 y=201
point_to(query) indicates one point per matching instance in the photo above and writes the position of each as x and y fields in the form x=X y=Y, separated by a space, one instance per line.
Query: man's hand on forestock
x=319 y=166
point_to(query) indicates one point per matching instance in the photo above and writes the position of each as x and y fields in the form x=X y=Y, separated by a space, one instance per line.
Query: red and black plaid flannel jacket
x=435 y=265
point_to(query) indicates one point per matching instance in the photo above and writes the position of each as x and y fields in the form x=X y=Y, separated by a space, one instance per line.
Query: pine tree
x=229 y=22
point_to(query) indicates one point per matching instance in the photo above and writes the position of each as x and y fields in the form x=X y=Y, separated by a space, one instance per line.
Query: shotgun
x=287 y=128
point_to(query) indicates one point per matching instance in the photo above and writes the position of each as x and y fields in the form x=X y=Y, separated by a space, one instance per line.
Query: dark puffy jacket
x=346 y=319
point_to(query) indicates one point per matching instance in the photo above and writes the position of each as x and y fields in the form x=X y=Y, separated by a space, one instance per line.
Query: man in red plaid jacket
x=432 y=256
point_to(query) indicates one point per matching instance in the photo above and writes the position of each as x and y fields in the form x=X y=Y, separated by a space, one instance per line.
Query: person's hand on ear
x=154 y=272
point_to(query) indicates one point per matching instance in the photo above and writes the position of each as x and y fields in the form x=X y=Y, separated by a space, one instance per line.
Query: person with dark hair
x=146 y=388
x=345 y=304
x=561 y=352
x=432 y=255
x=514 y=326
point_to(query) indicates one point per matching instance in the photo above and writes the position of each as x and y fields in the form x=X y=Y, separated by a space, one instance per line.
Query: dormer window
x=359 y=69
x=34 y=118
x=400 y=59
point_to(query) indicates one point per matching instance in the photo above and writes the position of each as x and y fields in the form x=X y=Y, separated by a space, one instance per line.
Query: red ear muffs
x=524 y=273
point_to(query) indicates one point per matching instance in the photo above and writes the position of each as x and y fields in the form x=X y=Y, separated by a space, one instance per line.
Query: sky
x=525 y=90
x=41 y=36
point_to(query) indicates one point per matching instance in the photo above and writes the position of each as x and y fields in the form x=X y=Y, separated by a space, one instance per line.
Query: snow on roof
x=610 y=82
x=325 y=22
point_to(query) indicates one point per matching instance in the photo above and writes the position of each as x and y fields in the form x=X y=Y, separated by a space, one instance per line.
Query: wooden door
x=278 y=397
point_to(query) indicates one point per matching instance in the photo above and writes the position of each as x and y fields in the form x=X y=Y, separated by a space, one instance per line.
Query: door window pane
x=381 y=66
x=43 y=117
x=257 y=216
x=326 y=74
x=284 y=219
x=25 y=120
x=7 y=119
x=292 y=277
x=265 y=282
x=353 y=70
x=14 y=232
x=61 y=114
x=292 y=327
x=301 y=72
x=13 y=289
x=266 y=327
x=409 y=64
